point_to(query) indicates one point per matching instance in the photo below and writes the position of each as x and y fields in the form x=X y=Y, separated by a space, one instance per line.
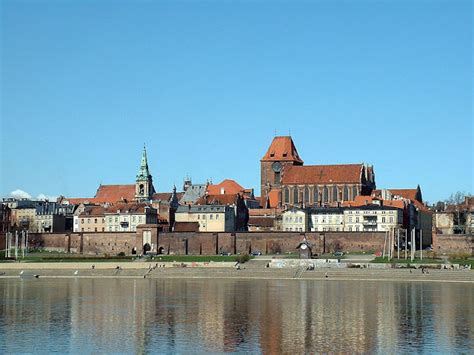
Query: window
x=350 y=219
x=301 y=219
x=82 y=220
x=95 y=220
x=334 y=193
x=345 y=194
x=357 y=219
x=295 y=195
x=354 y=192
x=211 y=216
x=217 y=216
x=287 y=195
x=306 y=195
x=199 y=216
x=350 y=228
x=391 y=219
x=357 y=228
x=88 y=220
x=316 y=195
x=383 y=219
x=325 y=194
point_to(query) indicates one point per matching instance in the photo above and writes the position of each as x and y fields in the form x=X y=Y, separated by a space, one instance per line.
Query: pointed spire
x=143 y=172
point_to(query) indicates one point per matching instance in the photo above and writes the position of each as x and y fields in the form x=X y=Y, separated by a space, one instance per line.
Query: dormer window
x=272 y=154
x=285 y=154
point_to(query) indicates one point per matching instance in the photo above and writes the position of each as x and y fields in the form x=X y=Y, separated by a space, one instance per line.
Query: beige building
x=326 y=219
x=24 y=218
x=125 y=217
x=92 y=219
x=211 y=218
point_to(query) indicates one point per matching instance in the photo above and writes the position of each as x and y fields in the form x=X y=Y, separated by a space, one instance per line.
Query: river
x=269 y=316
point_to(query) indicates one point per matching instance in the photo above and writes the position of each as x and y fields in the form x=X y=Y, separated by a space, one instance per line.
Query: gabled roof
x=114 y=193
x=227 y=186
x=282 y=149
x=323 y=174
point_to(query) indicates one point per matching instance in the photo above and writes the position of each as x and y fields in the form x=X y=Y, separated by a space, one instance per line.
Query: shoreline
x=38 y=271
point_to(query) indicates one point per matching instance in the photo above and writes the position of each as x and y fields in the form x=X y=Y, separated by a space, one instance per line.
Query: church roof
x=114 y=193
x=282 y=149
x=323 y=174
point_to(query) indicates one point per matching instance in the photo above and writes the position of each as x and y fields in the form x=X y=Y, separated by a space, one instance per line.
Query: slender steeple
x=144 y=184
x=143 y=172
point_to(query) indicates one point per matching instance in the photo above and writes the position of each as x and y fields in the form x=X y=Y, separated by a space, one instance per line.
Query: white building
x=372 y=218
x=125 y=217
x=326 y=219
x=295 y=220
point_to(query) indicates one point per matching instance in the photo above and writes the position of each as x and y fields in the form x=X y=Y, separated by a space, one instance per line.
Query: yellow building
x=211 y=218
x=92 y=219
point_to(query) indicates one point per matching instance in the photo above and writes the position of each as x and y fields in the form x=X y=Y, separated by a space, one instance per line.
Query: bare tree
x=457 y=200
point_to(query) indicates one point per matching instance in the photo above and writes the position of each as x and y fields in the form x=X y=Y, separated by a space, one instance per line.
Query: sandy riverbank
x=220 y=271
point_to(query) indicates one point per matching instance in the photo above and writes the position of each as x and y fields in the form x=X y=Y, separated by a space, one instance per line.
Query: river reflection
x=137 y=316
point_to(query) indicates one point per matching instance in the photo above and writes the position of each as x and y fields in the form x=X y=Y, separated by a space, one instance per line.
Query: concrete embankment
x=220 y=271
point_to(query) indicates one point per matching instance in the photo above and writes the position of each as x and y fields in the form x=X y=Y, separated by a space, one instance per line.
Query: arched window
x=325 y=194
x=306 y=195
x=345 y=195
x=354 y=192
x=334 y=193
x=316 y=195
x=287 y=195
x=295 y=195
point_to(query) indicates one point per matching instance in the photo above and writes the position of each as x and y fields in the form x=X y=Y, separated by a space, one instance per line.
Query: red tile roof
x=405 y=193
x=363 y=200
x=228 y=186
x=114 y=193
x=163 y=196
x=322 y=174
x=282 y=149
x=79 y=200
x=93 y=211
x=274 y=198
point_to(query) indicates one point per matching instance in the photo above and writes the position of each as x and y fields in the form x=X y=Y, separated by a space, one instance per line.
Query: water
x=168 y=316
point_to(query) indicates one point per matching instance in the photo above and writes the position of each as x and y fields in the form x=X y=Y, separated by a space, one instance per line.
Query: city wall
x=191 y=243
x=453 y=243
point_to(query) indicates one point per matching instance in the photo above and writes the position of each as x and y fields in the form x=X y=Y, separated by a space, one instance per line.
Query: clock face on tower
x=276 y=166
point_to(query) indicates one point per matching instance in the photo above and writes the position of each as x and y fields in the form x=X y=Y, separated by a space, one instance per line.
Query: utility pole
x=412 y=253
x=398 y=243
x=384 y=242
x=421 y=244
x=16 y=245
x=406 y=243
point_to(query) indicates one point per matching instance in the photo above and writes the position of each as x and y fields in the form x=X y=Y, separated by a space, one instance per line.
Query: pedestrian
x=327 y=276
x=93 y=266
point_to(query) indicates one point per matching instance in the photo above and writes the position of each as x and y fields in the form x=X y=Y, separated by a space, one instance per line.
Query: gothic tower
x=144 y=184
x=281 y=153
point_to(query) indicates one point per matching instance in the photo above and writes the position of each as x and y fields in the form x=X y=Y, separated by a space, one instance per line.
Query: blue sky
x=206 y=84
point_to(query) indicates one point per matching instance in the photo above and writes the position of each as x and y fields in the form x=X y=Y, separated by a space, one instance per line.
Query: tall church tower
x=281 y=153
x=144 y=184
